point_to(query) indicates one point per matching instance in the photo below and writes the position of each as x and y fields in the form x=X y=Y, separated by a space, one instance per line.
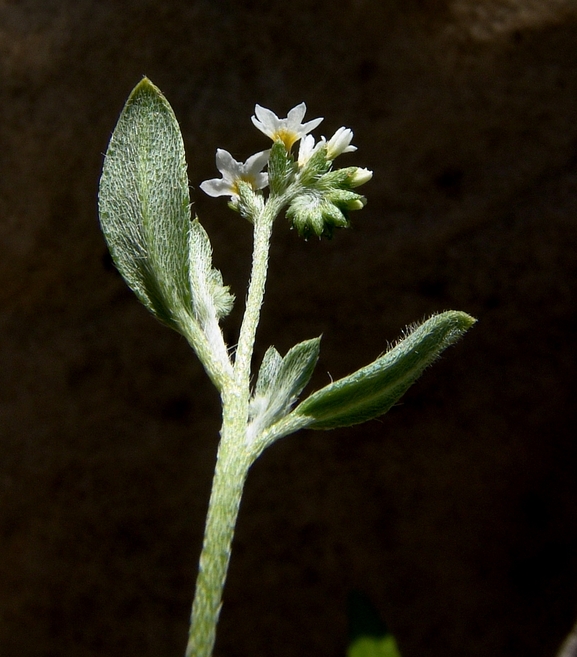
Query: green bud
x=348 y=177
x=319 y=212
x=325 y=197
x=346 y=199
x=312 y=213
x=338 y=178
x=357 y=204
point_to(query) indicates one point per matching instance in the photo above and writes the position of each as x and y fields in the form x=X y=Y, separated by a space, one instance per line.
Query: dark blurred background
x=455 y=513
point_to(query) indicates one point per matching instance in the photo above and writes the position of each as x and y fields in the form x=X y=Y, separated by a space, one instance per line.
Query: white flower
x=307 y=148
x=288 y=130
x=233 y=172
x=340 y=143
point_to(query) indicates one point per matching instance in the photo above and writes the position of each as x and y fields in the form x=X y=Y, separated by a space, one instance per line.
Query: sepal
x=249 y=203
x=281 y=168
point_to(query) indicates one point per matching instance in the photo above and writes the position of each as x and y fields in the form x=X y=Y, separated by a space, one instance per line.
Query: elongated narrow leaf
x=280 y=382
x=372 y=390
x=144 y=203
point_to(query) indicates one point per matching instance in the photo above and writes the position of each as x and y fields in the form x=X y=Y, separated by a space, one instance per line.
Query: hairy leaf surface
x=144 y=203
x=372 y=390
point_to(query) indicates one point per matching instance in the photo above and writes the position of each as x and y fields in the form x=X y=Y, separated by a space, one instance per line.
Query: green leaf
x=280 y=381
x=268 y=372
x=144 y=204
x=372 y=390
x=370 y=646
x=297 y=368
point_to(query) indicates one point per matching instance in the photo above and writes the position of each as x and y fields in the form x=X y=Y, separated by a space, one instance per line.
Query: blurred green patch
x=368 y=633
x=366 y=646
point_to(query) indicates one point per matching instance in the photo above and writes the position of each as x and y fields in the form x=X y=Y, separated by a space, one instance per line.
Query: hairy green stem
x=217 y=369
x=234 y=455
x=232 y=465
x=262 y=231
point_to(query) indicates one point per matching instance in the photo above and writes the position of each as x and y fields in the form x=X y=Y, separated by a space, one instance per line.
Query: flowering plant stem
x=227 y=486
x=263 y=223
x=234 y=456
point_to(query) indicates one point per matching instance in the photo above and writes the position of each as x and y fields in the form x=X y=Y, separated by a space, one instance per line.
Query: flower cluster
x=318 y=198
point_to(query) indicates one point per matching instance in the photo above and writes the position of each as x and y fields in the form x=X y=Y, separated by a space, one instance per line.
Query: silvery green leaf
x=296 y=369
x=372 y=390
x=280 y=382
x=144 y=204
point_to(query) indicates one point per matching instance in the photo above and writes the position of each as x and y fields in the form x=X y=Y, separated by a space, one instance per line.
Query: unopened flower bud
x=340 y=143
x=357 y=204
x=360 y=177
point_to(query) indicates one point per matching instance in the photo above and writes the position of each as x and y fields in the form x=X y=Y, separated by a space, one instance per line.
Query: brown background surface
x=456 y=513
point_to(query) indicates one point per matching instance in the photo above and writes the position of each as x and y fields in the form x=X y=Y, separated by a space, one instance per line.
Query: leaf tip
x=145 y=89
x=456 y=322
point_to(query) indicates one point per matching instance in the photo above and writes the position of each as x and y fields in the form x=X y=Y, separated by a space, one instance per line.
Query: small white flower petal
x=265 y=120
x=360 y=177
x=256 y=162
x=296 y=115
x=260 y=181
x=309 y=126
x=227 y=165
x=217 y=187
x=307 y=148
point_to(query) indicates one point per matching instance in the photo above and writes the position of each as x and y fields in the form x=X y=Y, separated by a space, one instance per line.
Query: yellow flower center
x=288 y=137
x=251 y=180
